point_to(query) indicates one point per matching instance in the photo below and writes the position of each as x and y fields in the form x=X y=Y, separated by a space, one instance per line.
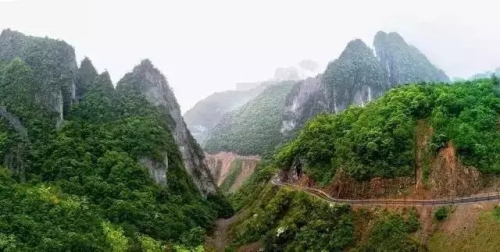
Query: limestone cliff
x=357 y=77
x=150 y=82
x=305 y=100
x=53 y=63
x=403 y=63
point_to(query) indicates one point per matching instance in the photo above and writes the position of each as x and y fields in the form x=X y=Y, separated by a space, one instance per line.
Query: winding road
x=394 y=202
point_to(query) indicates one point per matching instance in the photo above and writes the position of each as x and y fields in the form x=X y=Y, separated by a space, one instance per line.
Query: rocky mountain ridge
x=358 y=76
x=150 y=82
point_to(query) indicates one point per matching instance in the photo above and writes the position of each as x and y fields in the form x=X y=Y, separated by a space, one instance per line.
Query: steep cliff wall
x=149 y=81
x=357 y=77
x=403 y=63
x=53 y=63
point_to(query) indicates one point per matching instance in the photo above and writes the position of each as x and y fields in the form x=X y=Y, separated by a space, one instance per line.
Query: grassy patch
x=482 y=237
x=390 y=231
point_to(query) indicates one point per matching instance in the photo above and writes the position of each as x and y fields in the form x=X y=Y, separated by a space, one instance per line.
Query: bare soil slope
x=220 y=166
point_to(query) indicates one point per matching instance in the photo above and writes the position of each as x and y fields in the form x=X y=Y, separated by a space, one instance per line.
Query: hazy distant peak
x=286 y=73
x=308 y=64
x=356 y=46
x=87 y=64
x=146 y=63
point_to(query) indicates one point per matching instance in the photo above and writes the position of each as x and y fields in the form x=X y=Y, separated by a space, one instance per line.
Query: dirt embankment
x=436 y=175
x=248 y=167
x=220 y=166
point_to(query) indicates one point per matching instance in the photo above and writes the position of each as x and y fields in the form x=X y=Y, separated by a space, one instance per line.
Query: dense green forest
x=79 y=187
x=254 y=128
x=378 y=140
x=283 y=219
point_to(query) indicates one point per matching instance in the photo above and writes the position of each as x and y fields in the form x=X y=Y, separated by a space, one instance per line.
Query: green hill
x=98 y=180
x=254 y=128
x=378 y=140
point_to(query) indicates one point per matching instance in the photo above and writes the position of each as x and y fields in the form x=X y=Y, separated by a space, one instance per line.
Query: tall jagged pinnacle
x=146 y=79
x=356 y=77
x=404 y=63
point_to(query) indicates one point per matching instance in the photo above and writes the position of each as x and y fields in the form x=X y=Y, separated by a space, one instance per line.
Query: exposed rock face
x=150 y=82
x=53 y=63
x=357 y=77
x=305 y=100
x=157 y=170
x=220 y=166
x=404 y=63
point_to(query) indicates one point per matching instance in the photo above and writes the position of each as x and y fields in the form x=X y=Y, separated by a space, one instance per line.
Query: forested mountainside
x=357 y=77
x=403 y=63
x=416 y=141
x=52 y=62
x=379 y=140
x=86 y=167
x=208 y=112
x=251 y=129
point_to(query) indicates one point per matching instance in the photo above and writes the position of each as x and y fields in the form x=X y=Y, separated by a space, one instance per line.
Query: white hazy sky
x=206 y=46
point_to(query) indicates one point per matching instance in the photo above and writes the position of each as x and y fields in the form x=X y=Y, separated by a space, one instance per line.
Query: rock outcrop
x=357 y=77
x=150 y=82
x=403 y=63
x=305 y=100
x=53 y=63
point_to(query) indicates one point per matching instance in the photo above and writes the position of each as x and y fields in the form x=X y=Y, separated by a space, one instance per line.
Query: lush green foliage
x=496 y=213
x=51 y=61
x=392 y=232
x=378 y=140
x=85 y=190
x=253 y=128
x=294 y=221
x=234 y=172
x=441 y=213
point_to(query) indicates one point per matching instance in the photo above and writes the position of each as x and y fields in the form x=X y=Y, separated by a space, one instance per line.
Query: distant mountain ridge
x=358 y=76
x=206 y=113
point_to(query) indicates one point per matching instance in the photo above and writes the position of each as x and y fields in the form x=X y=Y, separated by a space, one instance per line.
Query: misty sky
x=206 y=46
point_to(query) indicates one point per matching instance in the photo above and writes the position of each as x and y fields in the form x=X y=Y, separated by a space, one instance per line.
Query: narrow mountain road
x=394 y=202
